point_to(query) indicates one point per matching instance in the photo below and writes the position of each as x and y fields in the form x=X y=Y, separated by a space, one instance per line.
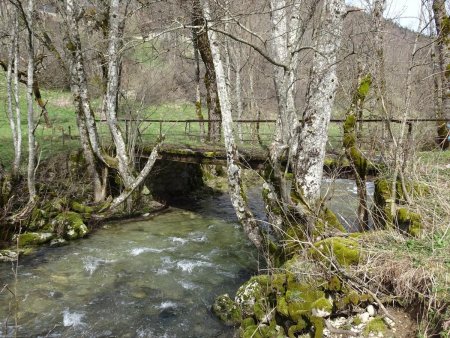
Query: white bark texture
x=313 y=136
x=237 y=193
x=18 y=149
x=78 y=76
x=125 y=167
x=112 y=90
x=31 y=172
x=12 y=106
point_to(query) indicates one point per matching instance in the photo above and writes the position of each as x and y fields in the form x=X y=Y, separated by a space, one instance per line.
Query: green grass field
x=62 y=135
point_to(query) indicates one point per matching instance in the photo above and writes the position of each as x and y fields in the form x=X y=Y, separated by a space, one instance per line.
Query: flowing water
x=152 y=278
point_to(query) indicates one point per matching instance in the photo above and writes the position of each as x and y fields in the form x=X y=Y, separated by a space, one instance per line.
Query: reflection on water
x=153 y=278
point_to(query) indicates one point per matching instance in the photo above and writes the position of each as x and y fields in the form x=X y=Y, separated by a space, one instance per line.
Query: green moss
x=344 y=250
x=210 y=154
x=323 y=304
x=294 y=330
x=349 y=123
x=227 y=310
x=327 y=221
x=80 y=208
x=334 y=284
x=349 y=140
x=282 y=306
x=383 y=217
x=251 y=331
x=409 y=221
x=247 y=322
x=318 y=324
x=34 y=238
x=300 y=298
x=251 y=293
x=357 y=320
x=352 y=298
x=70 y=225
x=376 y=325
x=364 y=86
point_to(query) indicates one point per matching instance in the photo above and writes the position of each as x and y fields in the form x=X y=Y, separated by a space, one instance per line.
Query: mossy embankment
x=338 y=284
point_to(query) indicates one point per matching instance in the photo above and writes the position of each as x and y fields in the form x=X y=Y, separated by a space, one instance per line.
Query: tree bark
x=442 y=23
x=13 y=111
x=31 y=172
x=237 y=193
x=313 y=136
x=352 y=151
x=212 y=98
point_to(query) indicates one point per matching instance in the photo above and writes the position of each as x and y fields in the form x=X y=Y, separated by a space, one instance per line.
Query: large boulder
x=70 y=225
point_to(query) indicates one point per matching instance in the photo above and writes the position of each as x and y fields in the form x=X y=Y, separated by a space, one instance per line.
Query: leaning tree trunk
x=212 y=97
x=237 y=193
x=313 y=136
x=442 y=23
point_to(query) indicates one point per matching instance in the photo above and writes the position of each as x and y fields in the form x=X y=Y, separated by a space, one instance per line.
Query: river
x=151 y=278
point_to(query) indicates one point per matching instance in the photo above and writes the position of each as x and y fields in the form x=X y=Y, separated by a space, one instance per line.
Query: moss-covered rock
x=70 y=225
x=322 y=307
x=345 y=251
x=34 y=238
x=376 y=325
x=252 y=293
x=227 y=310
x=409 y=222
x=81 y=208
x=300 y=298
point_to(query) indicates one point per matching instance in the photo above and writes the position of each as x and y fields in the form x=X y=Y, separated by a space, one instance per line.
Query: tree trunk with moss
x=212 y=97
x=442 y=23
x=352 y=151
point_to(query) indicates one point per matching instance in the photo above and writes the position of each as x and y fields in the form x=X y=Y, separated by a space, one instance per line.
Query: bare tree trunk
x=237 y=193
x=238 y=91
x=198 y=99
x=79 y=77
x=12 y=110
x=31 y=173
x=309 y=158
x=442 y=23
x=212 y=98
x=18 y=150
x=125 y=167
x=380 y=73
